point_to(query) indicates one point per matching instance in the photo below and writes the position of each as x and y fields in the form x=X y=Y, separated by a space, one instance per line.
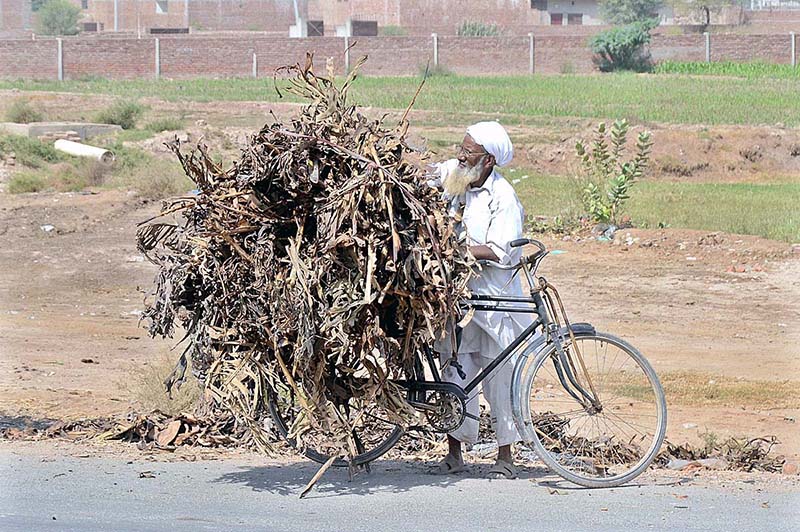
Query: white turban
x=494 y=139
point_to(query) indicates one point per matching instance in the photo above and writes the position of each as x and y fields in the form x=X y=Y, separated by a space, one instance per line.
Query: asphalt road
x=86 y=494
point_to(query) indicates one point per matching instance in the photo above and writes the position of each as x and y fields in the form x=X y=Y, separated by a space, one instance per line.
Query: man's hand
x=483 y=252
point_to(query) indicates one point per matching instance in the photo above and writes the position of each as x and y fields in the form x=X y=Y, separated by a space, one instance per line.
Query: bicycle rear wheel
x=374 y=433
x=591 y=446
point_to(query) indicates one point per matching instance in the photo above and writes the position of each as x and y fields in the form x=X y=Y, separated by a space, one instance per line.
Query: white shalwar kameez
x=492 y=216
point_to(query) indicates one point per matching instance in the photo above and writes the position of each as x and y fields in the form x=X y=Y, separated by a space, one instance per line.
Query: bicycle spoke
x=616 y=441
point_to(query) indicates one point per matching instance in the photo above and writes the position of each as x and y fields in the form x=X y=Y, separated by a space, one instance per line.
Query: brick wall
x=27 y=59
x=109 y=58
x=220 y=57
x=485 y=55
x=561 y=54
x=743 y=48
x=390 y=56
x=679 y=47
x=232 y=56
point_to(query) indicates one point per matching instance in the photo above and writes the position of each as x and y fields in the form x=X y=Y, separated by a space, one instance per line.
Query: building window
x=541 y=5
x=162 y=6
x=575 y=19
x=556 y=19
x=84 y=4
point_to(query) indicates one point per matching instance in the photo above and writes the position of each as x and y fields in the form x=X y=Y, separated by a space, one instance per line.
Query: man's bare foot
x=504 y=466
x=450 y=465
x=503 y=469
x=454 y=461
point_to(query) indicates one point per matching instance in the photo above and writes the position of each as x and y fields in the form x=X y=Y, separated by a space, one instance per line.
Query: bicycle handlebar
x=524 y=241
x=531 y=259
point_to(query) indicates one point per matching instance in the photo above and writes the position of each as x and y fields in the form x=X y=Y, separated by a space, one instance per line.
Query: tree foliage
x=607 y=177
x=629 y=11
x=624 y=47
x=58 y=17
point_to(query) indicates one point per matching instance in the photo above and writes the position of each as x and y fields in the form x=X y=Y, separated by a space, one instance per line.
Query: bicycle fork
x=566 y=372
x=564 y=365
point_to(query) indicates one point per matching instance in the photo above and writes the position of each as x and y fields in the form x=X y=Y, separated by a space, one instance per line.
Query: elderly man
x=491 y=217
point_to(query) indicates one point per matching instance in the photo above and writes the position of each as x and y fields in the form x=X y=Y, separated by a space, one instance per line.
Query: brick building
x=418 y=17
x=200 y=15
x=15 y=17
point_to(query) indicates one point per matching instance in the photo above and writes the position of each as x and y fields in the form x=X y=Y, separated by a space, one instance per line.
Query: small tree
x=58 y=17
x=629 y=11
x=607 y=178
x=623 y=48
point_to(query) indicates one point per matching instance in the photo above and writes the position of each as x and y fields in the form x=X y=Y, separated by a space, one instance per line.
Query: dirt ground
x=70 y=300
x=709 y=308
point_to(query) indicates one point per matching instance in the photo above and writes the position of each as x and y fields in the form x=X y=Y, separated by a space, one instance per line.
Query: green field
x=769 y=210
x=698 y=94
x=640 y=98
x=729 y=68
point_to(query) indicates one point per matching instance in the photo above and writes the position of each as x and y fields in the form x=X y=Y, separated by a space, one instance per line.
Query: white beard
x=457 y=181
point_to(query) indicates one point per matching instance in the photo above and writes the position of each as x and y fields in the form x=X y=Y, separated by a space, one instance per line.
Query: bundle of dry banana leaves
x=309 y=272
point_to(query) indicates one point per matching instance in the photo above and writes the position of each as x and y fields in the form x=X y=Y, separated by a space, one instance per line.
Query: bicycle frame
x=534 y=304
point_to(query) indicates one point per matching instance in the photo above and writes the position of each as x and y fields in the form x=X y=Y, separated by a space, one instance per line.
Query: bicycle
x=594 y=420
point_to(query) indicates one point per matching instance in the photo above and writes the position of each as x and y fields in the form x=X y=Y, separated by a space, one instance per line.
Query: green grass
x=649 y=98
x=22 y=112
x=27 y=181
x=165 y=124
x=43 y=169
x=769 y=210
x=29 y=152
x=729 y=68
x=122 y=113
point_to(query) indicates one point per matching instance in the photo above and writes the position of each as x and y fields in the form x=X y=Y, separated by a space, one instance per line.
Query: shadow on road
x=23 y=422
x=390 y=476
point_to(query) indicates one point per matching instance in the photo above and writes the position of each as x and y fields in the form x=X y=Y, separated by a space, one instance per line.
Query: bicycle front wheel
x=604 y=444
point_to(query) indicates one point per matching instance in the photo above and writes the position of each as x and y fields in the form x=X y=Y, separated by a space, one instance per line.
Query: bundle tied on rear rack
x=315 y=266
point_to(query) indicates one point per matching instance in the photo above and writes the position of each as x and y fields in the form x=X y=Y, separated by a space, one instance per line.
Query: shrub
x=623 y=48
x=22 y=112
x=65 y=177
x=32 y=153
x=123 y=114
x=58 y=17
x=157 y=182
x=607 y=178
x=27 y=182
x=477 y=29
x=152 y=177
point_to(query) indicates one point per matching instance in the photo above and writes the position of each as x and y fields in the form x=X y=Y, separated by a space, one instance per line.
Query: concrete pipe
x=84 y=150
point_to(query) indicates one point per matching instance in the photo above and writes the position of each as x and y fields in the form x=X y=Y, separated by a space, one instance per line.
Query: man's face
x=470 y=153
x=474 y=165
